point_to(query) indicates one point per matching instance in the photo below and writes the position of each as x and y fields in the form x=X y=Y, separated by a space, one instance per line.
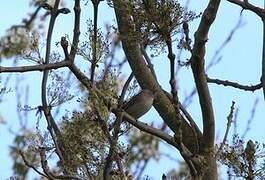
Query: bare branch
x=248 y=6
x=41 y=67
x=124 y=89
x=148 y=60
x=52 y=126
x=150 y=130
x=228 y=125
x=234 y=84
x=173 y=84
x=81 y=76
x=77 y=10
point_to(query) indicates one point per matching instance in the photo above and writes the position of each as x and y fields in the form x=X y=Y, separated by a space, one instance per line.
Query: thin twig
x=228 y=125
x=124 y=89
x=171 y=56
x=148 y=60
x=74 y=47
x=52 y=126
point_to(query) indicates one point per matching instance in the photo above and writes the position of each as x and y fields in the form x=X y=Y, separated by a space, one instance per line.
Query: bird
x=139 y=104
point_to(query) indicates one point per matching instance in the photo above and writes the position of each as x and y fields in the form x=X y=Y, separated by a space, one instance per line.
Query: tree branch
x=74 y=47
x=235 y=84
x=41 y=67
x=148 y=60
x=149 y=129
x=52 y=126
x=198 y=69
x=248 y=6
x=80 y=76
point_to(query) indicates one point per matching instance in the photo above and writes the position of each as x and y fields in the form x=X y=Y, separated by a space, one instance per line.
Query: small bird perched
x=139 y=104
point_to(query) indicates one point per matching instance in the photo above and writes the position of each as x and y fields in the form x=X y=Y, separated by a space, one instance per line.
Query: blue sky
x=241 y=62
